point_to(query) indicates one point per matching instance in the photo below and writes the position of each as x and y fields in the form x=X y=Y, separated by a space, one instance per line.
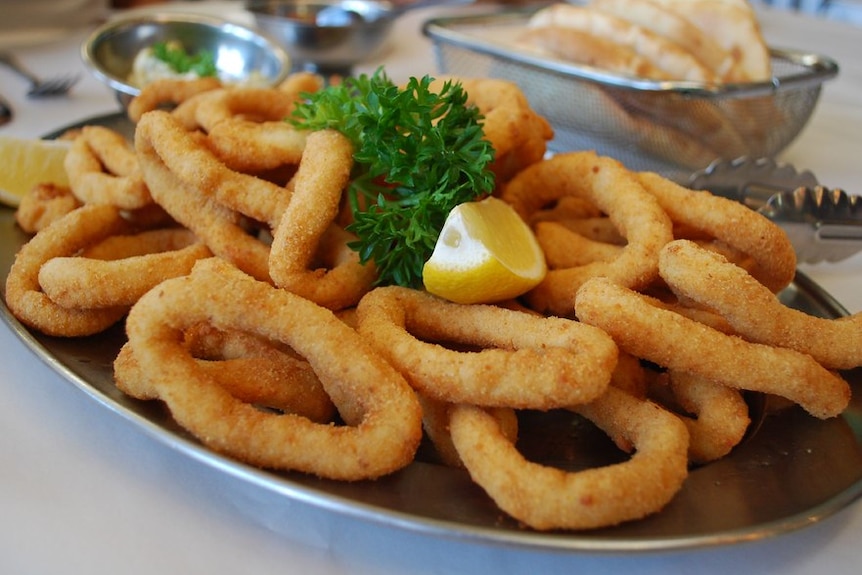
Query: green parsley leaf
x=202 y=64
x=418 y=154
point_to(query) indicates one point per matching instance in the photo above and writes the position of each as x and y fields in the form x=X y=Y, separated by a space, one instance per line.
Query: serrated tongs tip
x=823 y=224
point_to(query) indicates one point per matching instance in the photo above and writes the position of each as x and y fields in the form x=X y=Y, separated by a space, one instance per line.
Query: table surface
x=83 y=491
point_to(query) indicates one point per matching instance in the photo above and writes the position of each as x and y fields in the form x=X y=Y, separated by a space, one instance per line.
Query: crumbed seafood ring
x=383 y=420
x=565 y=248
x=317 y=189
x=526 y=361
x=43 y=204
x=254 y=104
x=249 y=146
x=569 y=208
x=630 y=376
x=246 y=127
x=599 y=229
x=218 y=227
x=281 y=381
x=112 y=148
x=545 y=497
x=300 y=83
x=192 y=201
x=754 y=311
x=731 y=222
x=120 y=272
x=68 y=235
x=196 y=166
x=716 y=416
x=208 y=342
x=435 y=422
x=185 y=113
x=103 y=169
x=616 y=192
x=671 y=340
x=168 y=91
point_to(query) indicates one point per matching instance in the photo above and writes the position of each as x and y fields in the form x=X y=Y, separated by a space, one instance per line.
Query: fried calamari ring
x=545 y=497
x=208 y=342
x=566 y=208
x=716 y=416
x=112 y=149
x=218 y=227
x=140 y=243
x=346 y=278
x=203 y=195
x=630 y=376
x=197 y=167
x=254 y=104
x=103 y=169
x=754 y=311
x=121 y=271
x=43 y=204
x=565 y=248
x=382 y=414
x=435 y=422
x=700 y=315
x=168 y=91
x=525 y=360
x=68 y=235
x=616 y=192
x=304 y=82
x=317 y=189
x=671 y=340
x=598 y=229
x=246 y=127
x=270 y=379
x=732 y=223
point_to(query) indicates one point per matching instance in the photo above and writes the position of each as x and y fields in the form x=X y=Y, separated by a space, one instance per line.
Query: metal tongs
x=823 y=224
x=5 y=111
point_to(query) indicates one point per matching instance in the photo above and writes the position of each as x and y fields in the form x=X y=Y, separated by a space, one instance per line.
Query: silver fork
x=39 y=88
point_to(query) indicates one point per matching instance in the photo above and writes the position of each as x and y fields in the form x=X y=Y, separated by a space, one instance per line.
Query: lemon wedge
x=485 y=253
x=27 y=162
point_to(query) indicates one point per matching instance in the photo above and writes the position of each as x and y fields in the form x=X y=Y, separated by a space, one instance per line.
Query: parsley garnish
x=418 y=154
x=180 y=61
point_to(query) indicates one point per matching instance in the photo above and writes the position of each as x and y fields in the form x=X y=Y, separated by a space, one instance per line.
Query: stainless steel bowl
x=326 y=36
x=239 y=51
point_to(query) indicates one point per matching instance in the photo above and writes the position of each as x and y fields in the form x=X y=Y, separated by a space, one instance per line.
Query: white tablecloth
x=82 y=491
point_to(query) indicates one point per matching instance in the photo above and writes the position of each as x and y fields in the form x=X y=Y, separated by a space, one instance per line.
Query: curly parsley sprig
x=418 y=154
x=202 y=63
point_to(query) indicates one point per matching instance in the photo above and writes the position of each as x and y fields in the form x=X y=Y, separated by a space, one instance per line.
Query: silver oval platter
x=791 y=471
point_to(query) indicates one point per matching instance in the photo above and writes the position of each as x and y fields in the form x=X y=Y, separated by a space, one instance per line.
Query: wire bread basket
x=672 y=128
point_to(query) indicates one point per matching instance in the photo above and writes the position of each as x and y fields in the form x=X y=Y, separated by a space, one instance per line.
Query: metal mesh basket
x=669 y=127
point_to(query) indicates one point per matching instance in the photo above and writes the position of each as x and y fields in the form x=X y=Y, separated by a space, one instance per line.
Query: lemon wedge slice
x=27 y=162
x=485 y=253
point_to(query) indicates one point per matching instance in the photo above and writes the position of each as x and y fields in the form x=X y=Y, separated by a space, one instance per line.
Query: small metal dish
x=326 y=36
x=672 y=128
x=239 y=51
